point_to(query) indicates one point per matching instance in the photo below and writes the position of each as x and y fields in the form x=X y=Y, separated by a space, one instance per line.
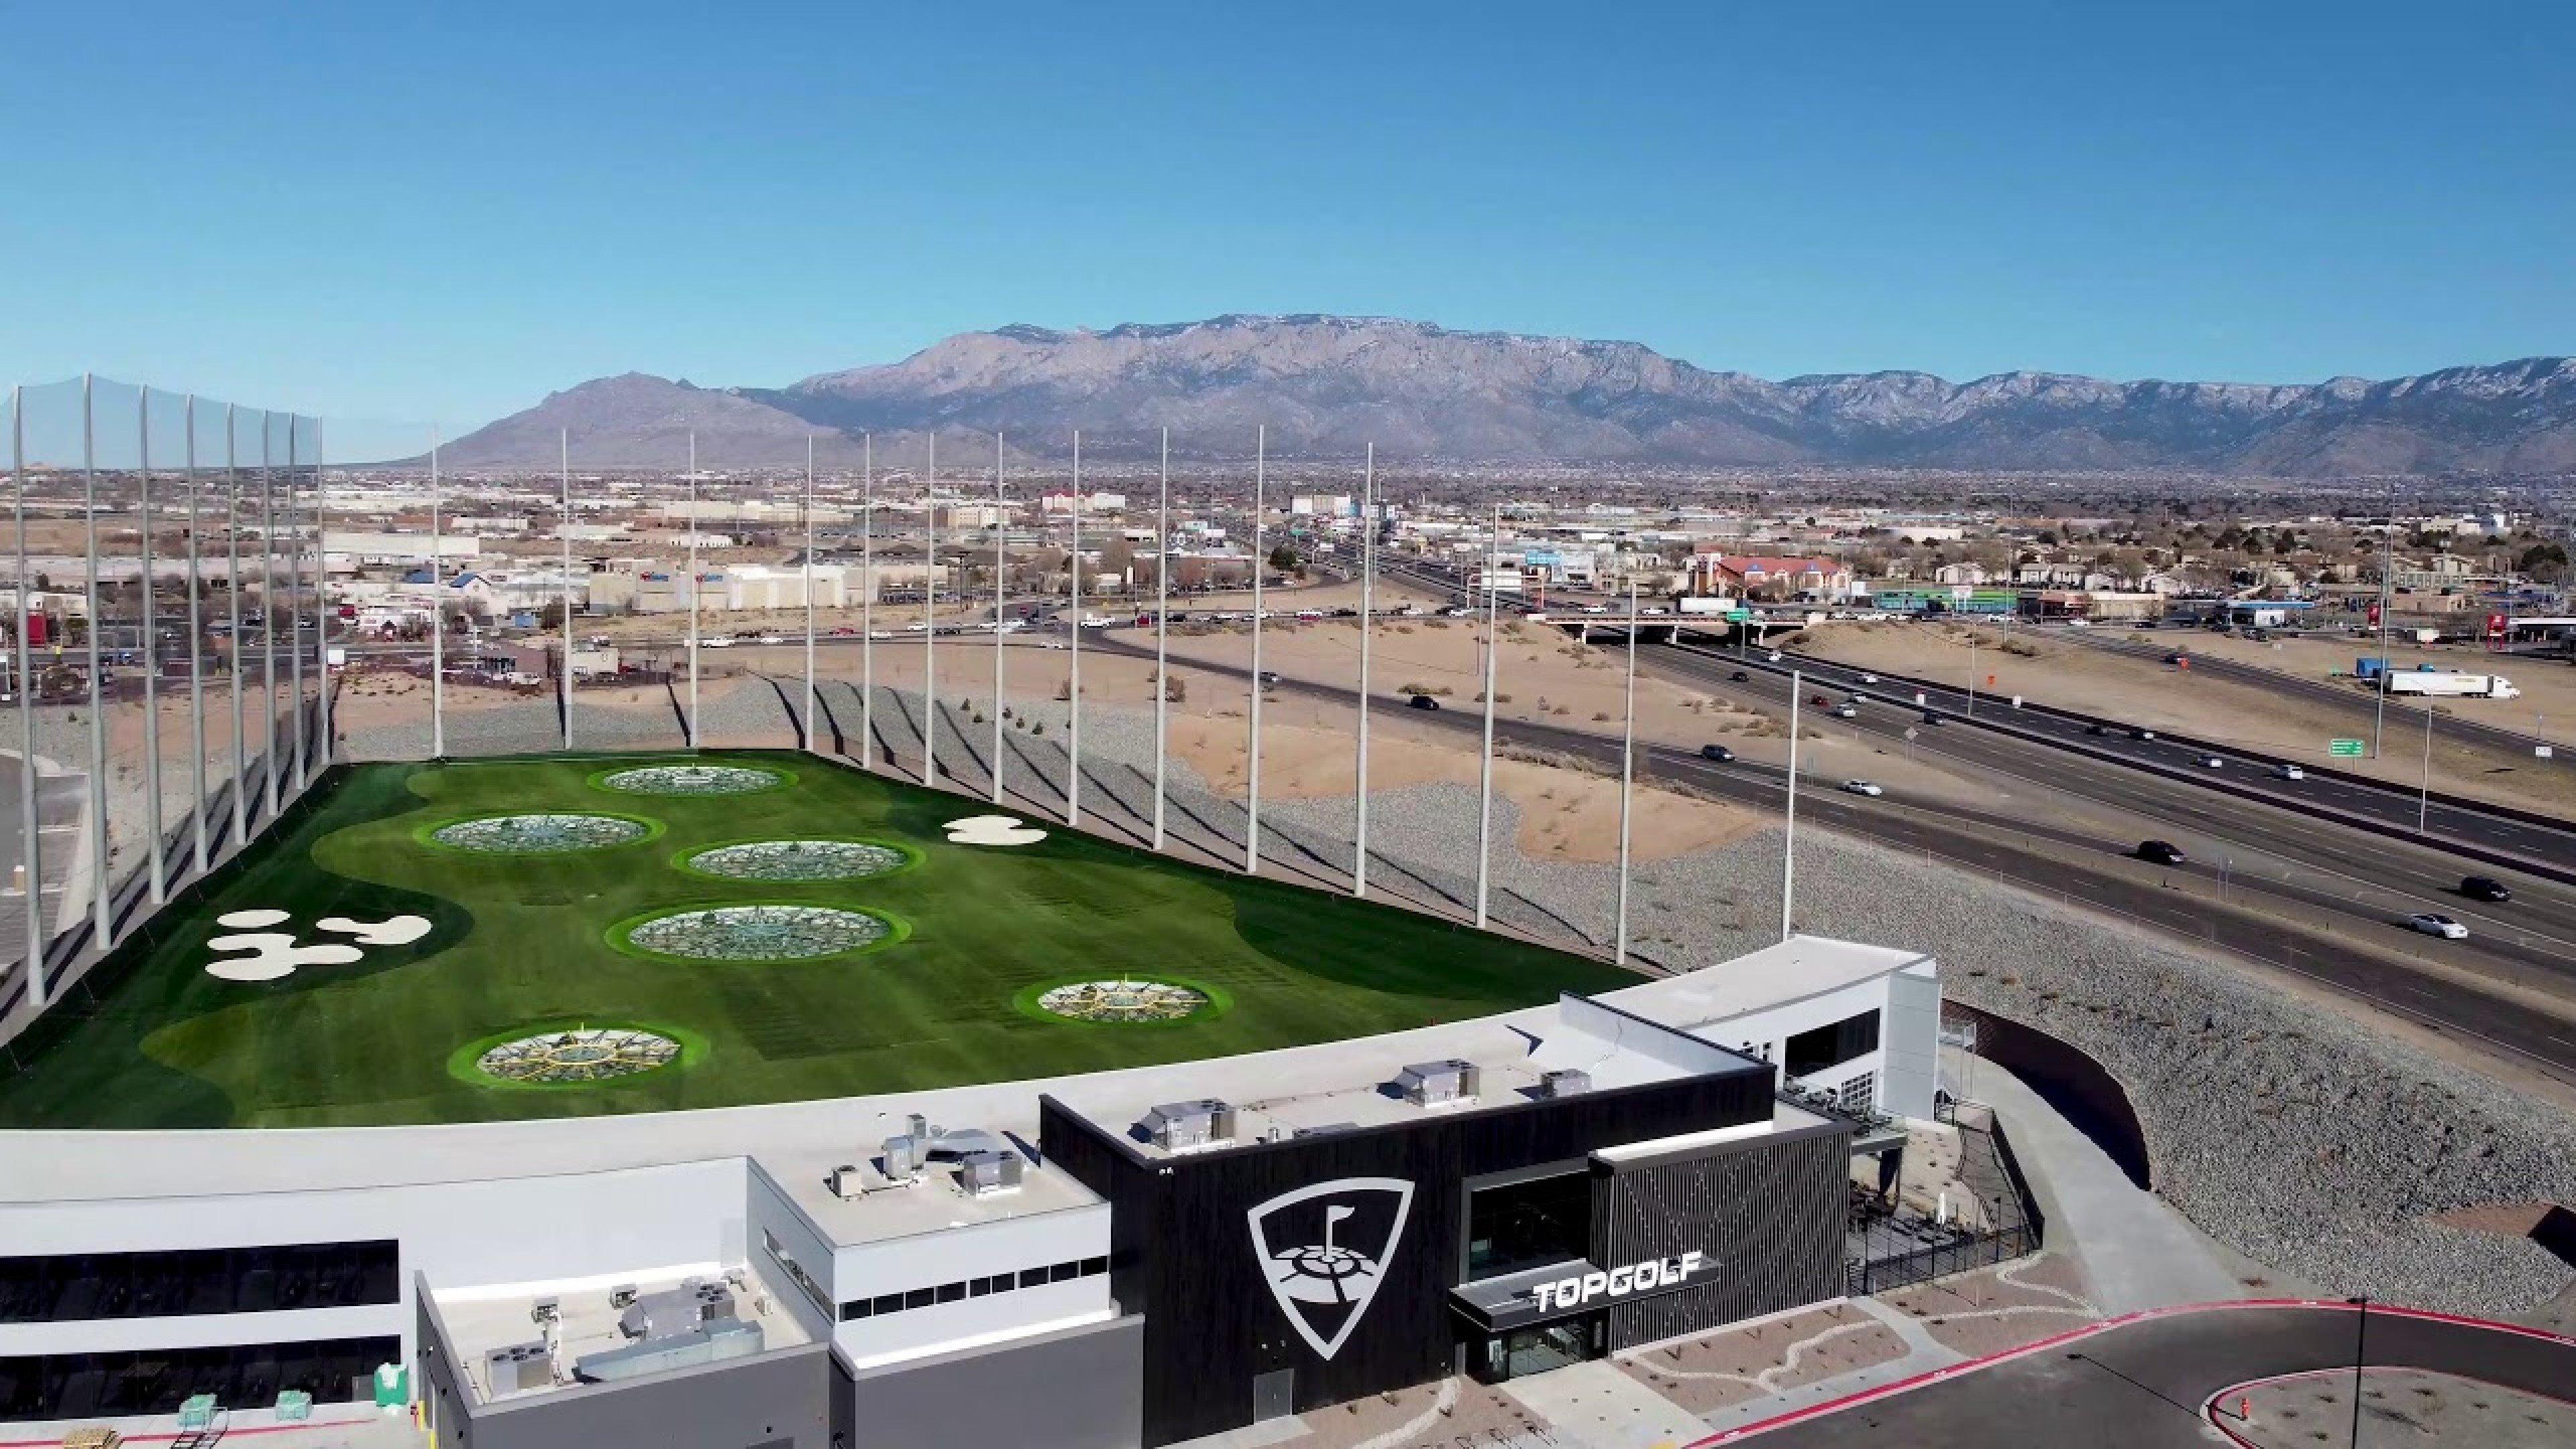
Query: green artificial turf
x=525 y=941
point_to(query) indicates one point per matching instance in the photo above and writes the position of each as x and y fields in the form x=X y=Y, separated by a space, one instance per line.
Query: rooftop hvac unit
x=519 y=1367
x=846 y=1181
x=701 y=1343
x=1564 y=1082
x=1438 y=1084
x=1180 y=1126
x=903 y=1157
x=983 y=1174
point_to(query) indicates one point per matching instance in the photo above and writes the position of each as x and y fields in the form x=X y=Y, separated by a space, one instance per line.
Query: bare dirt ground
x=2053 y=670
x=2547 y=707
x=2405 y=1406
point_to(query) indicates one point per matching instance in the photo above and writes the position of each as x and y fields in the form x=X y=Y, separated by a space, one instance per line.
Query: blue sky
x=446 y=212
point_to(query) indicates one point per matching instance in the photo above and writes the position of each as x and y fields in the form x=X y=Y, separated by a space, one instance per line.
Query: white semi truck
x=2445 y=684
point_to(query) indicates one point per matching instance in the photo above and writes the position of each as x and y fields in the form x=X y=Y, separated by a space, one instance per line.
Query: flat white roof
x=481 y=1320
x=798 y=1143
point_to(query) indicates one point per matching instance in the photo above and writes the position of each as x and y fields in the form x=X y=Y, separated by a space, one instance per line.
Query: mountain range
x=1325 y=385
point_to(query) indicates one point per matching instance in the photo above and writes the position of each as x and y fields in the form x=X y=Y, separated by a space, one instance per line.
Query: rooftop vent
x=1181 y=1126
x=1438 y=1084
x=984 y=1174
x=1564 y=1082
x=848 y=1182
x=909 y=1152
x=519 y=1367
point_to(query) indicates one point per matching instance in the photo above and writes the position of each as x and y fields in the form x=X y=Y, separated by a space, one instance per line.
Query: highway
x=2021 y=846
x=2388 y=805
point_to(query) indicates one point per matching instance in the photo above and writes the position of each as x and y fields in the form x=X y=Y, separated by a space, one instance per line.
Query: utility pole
x=1627 y=779
x=1789 y=844
x=1485 y=762
x=2387 y=601
x=1368 y=602
x=2424 y=791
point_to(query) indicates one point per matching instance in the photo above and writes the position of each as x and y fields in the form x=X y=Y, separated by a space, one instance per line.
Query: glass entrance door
x=1544 y=1346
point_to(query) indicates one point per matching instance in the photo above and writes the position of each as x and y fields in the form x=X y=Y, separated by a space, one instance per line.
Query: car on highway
x=1421 y=701
x=2161 y=852
x=1596 y=608
x=1771 y=654
x=2140 y=732
x=2484 y=888
x=1930 y=718
x=2433 y=923
x=1869 y=679
x=2210 y=762
x=1719 y=753
x=2288 y=772
x=1739 y=676
x=2094 y=729
x=771 y=639
x=1818 y=699
x=1269 y=678
x=1870 y=788
x=1657 y=610
x=721 y=642
x=1845 y=711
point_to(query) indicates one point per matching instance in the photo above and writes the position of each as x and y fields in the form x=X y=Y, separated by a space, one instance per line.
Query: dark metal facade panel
x=1182 y=1251
x=1769 y=1218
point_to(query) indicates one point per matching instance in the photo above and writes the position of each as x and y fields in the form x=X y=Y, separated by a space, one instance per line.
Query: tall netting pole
x=867 y=601
x=805 y=508
x=295 y=604
x=156 y=859
x=563 y=478
x=1162 y=622
x=930 y=618
x=101 y=881
x=39 y=933
x=1252 y=734
x=1001 y=604
x=268 y=608
x=1485 y=766
x=240 y=791
x=196 y=649
x=1073 y=685
x=696 y=583
x=437 y=612
x=1627 y=781
x=322 y=610
x=1368 y=609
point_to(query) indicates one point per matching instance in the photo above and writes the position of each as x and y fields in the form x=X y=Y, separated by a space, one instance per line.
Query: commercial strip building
x=1143 y=1255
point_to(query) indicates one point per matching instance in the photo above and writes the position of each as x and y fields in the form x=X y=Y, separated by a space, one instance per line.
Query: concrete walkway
x=1597 y=1406
x=2135 y=1249
x=1924 y=1354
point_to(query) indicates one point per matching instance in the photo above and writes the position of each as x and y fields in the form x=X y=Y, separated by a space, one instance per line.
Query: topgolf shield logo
x=1324 y=1251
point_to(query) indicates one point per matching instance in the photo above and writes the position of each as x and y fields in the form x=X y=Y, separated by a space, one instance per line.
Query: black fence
x=1894 y=1247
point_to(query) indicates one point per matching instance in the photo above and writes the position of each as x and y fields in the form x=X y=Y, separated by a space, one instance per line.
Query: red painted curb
x=2007 y=1355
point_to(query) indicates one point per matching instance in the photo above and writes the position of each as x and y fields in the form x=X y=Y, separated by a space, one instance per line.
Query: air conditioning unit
x=519 y=1367
x=984 y=1174
x=1181 y=1126
x=904 y=1155
x=847 y=1182
x=1564 y=1082
x=1438 y=1084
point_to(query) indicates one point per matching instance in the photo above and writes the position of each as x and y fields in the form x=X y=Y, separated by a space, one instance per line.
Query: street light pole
x=1789 y=845
x=2387 y=598
x=2360 y=1348
x=2424 y=790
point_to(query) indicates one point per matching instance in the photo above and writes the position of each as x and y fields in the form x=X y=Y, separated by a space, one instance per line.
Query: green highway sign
x=2347 y=748
x=1738 y=616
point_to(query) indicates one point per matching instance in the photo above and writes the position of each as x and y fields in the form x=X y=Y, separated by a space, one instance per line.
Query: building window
x=1033 y=1277
x=157 y=1381
x=1860 y=1094
x=1829 y=1046
x=983 y=1287
x=951 y=1292
x=1528 y=1224
x=67 y=1287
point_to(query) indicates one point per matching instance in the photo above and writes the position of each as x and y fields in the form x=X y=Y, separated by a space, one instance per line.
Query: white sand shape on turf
x=252 y=920
x=273 y=954
x=397 y=931
x=992 y=830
